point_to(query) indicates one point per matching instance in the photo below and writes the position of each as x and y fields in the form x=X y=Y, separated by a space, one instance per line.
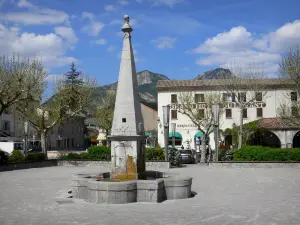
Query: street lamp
x=215 y=113
x=166 y=118
x=26 y=137
x=173 y=126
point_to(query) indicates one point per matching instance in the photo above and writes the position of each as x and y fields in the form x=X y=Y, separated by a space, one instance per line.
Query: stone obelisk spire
x=127 y=134
x=128 y=118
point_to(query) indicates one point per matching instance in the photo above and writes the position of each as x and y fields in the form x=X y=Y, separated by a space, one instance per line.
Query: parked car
x=35 y=149
x=187 y=156
x=3 y=156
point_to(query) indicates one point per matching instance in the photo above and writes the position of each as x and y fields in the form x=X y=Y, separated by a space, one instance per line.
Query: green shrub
x=35 y=157
x=84 y=155
x=155 y=154
x=16 y=156
x=73 y=156
x=99 y=153
x=260 y=153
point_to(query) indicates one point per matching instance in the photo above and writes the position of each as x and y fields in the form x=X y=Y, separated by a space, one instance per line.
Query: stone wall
x=254 y=164
x=149 y=164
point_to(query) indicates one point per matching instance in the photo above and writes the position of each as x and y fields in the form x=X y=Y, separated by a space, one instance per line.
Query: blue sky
x=177 y=38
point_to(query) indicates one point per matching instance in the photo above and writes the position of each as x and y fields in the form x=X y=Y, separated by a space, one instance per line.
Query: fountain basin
x=154 y=187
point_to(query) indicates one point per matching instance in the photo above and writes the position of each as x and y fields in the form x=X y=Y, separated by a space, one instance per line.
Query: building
x=70 y=135
x=263 y=108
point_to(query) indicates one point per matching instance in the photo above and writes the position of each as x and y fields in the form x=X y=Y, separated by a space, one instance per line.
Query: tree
x=20 y=80
x=244 y=88
x=61 y=107
x=200 y=114
x=290 y=74
x=105 y=112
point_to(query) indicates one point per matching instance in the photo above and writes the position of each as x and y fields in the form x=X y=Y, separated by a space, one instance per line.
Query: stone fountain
x=128 y=181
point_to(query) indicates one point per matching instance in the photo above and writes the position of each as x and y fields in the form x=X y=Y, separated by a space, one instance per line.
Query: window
x=199 y=98
x=242 y=97
x=174 y=114
x=201 y=114
x=259 y=112
x=72 y=144
x=228 y=97
x=6 y=126
x=294 y=96
x=58 y=143
x=258 y=96
x=228 y=113
x=295 y=111
x=173 y=98
x=245 y=116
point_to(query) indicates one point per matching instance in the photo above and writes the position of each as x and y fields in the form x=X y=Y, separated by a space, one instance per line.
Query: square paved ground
x=225 y=196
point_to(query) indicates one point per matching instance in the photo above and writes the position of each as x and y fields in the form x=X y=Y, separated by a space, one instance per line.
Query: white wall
x=273 y=99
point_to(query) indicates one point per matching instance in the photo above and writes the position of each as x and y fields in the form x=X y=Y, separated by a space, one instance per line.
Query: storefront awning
x=148 y=133
x=177 y=135
x=198 y=134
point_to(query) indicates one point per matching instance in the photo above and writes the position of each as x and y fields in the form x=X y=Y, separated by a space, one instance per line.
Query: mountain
x=218 y=73
x=147 y=81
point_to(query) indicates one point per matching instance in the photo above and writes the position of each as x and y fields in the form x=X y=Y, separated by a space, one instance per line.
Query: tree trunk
x=241 y=129
x=203 y=148
x=43 y=142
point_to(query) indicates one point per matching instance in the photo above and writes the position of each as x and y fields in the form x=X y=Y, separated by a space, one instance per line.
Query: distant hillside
x=218 y=73
x=147 y=81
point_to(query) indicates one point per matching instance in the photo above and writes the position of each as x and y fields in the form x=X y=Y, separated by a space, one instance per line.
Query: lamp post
x=166 y=118
x=215 y=111
x=26 y=137
x=173 y=126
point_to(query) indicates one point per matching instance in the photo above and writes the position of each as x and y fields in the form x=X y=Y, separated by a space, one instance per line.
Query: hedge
x=260 y=153
x=102 y=153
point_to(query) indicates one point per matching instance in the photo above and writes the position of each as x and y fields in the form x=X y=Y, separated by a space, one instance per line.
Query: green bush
x=260 y=153
x=99 y=153
x=16 y=156
x=84 y=155
x=35 y=157
x=73 y=156
x=155 y=154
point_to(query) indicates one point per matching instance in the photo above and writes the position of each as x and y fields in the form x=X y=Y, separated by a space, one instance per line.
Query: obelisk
x=127 y=134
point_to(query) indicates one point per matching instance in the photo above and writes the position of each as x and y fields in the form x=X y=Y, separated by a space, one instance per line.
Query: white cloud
x=49 y=48
x=120 y=34
x=55 y=77
x=123 y=2
x=169 y=3
x=245 y=48
x=35 y=15
x=164 y=42
x=92 y=27
x=101 y=41
x=68 y=34
x=111 y=48
x=133 y=22
x=237 y=39
x=110 y=8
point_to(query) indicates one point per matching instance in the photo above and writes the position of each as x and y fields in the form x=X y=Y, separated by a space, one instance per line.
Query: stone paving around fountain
x=225 y=196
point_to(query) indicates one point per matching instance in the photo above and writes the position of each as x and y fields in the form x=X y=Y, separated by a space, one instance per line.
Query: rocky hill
x=218 y=73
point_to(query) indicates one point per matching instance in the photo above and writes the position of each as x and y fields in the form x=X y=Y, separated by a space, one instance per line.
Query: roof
x=215 y=83
x=276 y=123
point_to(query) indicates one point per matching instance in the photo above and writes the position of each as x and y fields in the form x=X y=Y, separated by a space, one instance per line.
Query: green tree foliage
x=16 y=156
x=20 y=81
x=105 y=112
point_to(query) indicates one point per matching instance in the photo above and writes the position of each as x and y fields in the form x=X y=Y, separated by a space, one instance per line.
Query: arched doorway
x=296 y=140
x=264 y=138
x=197 y=138
x=178 y=139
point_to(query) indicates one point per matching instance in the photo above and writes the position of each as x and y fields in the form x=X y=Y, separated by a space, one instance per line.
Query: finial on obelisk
x=126 y=27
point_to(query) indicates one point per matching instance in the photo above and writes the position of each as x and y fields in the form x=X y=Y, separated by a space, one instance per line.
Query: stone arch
x=296 y=140
x=264 y=138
